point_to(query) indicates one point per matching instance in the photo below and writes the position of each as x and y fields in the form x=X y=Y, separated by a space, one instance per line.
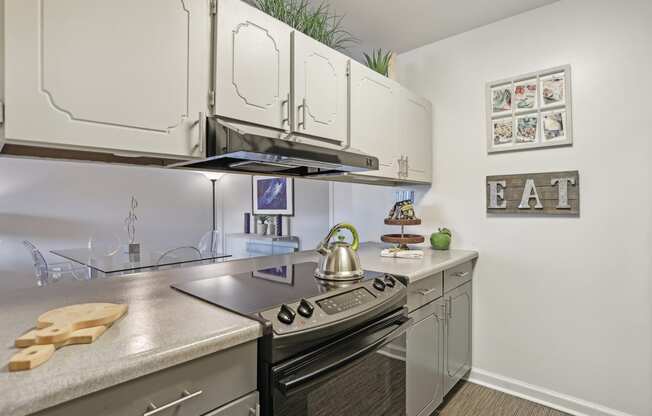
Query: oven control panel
x=333 y=305
x=345 y=301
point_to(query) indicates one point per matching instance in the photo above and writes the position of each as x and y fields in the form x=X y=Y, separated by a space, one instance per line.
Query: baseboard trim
x=553 y=399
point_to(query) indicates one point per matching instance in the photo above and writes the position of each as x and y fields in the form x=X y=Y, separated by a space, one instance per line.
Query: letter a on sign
x=530 y=192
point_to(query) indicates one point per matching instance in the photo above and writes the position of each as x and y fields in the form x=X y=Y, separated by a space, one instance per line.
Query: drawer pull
x=152 y=409
x=462 y=274
x=426 y=292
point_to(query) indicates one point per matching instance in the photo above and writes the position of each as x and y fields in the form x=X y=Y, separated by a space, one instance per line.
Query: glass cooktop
x=252 y=292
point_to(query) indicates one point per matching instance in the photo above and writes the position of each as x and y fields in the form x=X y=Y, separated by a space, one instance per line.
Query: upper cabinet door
x=320 y=89
x=121 y=76
x=372 y=114
x=415 y=120
x=252 y=66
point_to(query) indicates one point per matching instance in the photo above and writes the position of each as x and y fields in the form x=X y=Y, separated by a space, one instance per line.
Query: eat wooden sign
x=554 y=193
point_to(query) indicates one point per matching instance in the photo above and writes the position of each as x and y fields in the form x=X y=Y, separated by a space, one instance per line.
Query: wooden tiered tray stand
x=403 y=239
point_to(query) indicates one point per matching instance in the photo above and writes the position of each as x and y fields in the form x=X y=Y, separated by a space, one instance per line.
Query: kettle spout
x=323 y=248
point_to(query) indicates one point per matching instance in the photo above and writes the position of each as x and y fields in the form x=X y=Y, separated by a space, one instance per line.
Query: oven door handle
x=290 y=383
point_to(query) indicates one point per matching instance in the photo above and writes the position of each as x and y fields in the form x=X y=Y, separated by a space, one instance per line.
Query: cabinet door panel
x=458 y=334
x=319 y=84
x=372 y=106
x=107 y=75
x=424 y=370
x=416 y=135
x=253 y=65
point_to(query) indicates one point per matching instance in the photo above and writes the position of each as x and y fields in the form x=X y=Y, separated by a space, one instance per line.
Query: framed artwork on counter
x=531 y=111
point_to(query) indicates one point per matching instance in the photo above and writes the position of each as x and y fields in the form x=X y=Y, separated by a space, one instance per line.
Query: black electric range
x=309 y=321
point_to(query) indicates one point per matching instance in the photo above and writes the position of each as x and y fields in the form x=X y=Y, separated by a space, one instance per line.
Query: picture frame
x=280 y=274
x=272 y=195
x=537 y=106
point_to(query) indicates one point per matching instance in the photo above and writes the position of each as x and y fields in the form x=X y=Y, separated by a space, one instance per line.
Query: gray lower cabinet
x=457 y=345
x=223 y=383
x=439 y=341
x=425 y=376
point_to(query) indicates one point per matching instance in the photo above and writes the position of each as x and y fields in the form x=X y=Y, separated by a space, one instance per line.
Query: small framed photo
x=503 y=131
x=553 y=124
x=525 y=95
x=526 y=128
x=501 y=99
x=272 y=195
x=281 y=274
x=553 y=89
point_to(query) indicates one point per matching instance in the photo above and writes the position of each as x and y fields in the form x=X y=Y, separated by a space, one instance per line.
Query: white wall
x=58 y=204
x=564 y=304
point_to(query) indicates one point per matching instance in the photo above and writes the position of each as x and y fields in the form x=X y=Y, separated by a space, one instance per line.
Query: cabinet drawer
x=425 y=290
x=220 y=377
x=458 y=276
x=245 y=406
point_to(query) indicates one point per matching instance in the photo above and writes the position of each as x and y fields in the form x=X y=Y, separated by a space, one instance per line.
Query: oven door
x=363 y=373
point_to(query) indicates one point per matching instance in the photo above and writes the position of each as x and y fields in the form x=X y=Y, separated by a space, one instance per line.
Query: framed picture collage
x=530 y=111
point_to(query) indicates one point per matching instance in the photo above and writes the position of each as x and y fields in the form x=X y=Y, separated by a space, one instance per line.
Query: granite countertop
x=433 y=261
x=163 y=327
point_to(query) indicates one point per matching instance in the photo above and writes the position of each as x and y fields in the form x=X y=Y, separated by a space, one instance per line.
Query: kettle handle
x=342 y=226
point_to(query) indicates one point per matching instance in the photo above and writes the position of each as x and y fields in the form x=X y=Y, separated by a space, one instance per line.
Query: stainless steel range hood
x=239 y=147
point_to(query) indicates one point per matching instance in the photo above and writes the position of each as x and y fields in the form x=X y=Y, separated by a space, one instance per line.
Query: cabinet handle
x=401 y=169
x=450 y=307
x=285 y=104
x=152 y=409
x=302 y=109
x=201 y=134
x=426 y=292
x=462 y=274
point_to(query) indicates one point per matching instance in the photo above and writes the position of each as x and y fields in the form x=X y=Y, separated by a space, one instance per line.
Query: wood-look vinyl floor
x=470 y=399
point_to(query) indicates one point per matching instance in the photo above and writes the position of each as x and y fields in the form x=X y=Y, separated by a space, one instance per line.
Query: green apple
x=441 y=240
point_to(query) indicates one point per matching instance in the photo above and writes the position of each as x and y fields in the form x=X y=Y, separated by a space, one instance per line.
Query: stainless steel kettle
x=339 y=261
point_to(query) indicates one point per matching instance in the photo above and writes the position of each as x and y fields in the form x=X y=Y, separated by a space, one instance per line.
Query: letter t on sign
x=563 y=191
x=495 y=193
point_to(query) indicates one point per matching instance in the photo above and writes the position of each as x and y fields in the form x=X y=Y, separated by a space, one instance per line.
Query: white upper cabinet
x=252 y=70
x=111 y=76
x=319 y=89
x=415 y=135
x=373 y=118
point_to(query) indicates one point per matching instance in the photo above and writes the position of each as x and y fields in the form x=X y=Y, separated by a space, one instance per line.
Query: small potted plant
x=379 y=61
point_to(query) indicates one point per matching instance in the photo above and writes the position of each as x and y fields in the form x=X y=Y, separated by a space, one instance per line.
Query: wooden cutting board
x=80 y=336
x=74 y=324
x=34 y=355
x=57 y=325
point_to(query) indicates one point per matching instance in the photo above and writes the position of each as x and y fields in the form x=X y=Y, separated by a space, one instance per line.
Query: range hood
x=244 y=148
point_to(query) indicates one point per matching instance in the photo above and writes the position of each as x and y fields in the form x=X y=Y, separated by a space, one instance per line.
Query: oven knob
x=389 y=281
x=286 y=315
x=305 y=309
x=379 y=284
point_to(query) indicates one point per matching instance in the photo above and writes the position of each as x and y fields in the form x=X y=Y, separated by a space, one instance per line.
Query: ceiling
x=404 y=25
